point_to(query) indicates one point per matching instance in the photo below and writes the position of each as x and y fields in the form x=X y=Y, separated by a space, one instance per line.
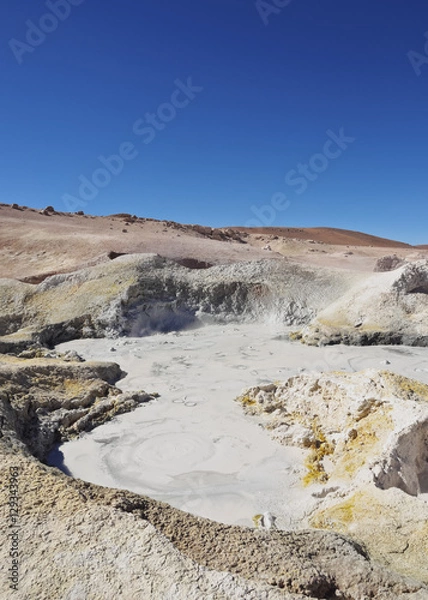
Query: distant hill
x=328 y=235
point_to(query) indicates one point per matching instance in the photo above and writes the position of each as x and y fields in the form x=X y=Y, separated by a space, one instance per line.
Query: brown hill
x=327 y=235
x=37 y=243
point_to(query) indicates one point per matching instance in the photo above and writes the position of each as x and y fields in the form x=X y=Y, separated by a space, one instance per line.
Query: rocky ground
x=69 y=276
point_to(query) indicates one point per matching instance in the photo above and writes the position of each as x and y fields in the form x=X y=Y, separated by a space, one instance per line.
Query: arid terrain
x=106 y=330
x=77 y=241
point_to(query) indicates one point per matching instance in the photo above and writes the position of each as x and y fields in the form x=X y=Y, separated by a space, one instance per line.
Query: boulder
x=388 y=263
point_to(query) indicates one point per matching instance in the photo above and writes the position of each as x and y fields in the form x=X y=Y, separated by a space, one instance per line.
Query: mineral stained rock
x=366 y=434
x=138 y=294
x=84 y=542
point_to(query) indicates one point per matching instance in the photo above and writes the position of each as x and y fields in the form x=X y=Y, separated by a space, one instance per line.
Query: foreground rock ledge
x=79 y=541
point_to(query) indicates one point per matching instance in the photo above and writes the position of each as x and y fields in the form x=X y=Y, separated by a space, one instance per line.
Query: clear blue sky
x=275 y=81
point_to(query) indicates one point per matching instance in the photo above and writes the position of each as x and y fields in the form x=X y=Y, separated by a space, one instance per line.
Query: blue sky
x=220 y=111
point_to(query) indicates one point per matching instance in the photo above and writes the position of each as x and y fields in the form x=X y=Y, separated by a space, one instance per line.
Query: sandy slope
x=327 y=235
x=34 y=244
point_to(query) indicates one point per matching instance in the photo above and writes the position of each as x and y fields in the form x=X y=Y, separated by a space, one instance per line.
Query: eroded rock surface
x=138 y=294
x=46 y=400
x=388 y=263
x=387 y=308
x=367 y=439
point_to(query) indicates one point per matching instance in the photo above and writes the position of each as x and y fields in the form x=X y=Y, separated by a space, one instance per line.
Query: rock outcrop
x=388 y=263
x=135 y=295
x=45 y=400
x=366 y=436
x=387 y=308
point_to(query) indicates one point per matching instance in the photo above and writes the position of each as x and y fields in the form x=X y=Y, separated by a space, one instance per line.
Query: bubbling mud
x=194 y=447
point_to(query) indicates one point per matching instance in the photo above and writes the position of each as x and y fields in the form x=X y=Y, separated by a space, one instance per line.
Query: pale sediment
x=93 y=542
x=73 y=518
